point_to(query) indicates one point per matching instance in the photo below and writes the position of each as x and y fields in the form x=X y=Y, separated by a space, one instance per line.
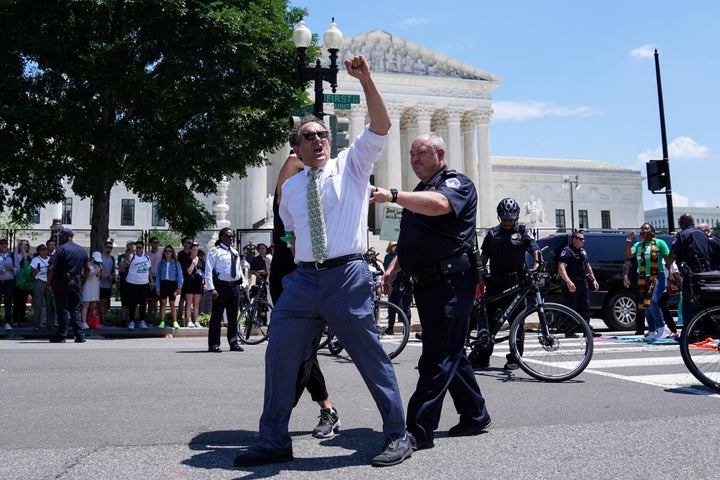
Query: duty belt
x=446 y=267
x=226 y=283
x=332 y=262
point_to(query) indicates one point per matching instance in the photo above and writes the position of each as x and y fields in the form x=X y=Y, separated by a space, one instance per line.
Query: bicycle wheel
x=699 y=347
x=562 y=354
x=393 y=341
x=254 y=322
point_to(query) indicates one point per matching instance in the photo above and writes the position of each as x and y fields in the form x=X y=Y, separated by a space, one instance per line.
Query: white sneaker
x=85 y=326
x=131 y=326
x=196 y=325
x=663 y=332
x=8 y=327
x=143 y=324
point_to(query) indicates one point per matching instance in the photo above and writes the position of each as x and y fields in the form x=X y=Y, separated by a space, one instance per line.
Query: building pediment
x=388 y=53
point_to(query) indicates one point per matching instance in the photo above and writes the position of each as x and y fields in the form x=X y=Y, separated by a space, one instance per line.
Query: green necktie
x=317 y=221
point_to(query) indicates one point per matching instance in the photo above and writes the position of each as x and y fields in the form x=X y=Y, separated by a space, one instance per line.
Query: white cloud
x=678 y=201
x=646 y=51
x=408 y=23
x=522 y=111
x=680 y=148
x=701 y=204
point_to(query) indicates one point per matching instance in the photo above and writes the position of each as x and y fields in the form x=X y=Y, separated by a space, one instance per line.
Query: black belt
x=446 y=267
x=226 y=283
x=332 y=262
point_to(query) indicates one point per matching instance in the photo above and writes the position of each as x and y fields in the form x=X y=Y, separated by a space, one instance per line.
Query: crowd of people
x=148 y=282
x=325 y=274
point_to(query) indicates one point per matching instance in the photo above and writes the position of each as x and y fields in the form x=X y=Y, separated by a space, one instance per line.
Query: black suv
x=614 y=303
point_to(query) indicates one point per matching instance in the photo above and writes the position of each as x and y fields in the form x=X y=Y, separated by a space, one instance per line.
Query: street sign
x=306 y=110
x=341 y=99
x=342 y=106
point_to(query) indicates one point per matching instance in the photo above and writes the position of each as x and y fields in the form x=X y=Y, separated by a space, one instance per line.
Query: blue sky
x=578 y=77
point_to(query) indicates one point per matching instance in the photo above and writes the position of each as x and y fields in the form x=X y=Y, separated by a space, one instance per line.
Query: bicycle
x=700 y=338
x=551 y=342
x=254 y=320
x=393 y=340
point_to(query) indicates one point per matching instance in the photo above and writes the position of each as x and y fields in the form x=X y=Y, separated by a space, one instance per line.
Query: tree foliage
x=166 y=96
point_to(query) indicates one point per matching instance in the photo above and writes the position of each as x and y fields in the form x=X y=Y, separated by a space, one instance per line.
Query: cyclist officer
x=575 y=270
x=437 y=235
x=504 y=246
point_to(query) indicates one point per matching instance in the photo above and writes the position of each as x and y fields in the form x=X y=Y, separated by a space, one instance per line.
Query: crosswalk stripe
x=679 y=381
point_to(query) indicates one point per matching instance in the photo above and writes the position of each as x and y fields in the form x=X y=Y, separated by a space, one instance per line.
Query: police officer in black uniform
x=504 y=246
x=65 y=270
x=691 y=251
x=575 y=270
x=437 y=236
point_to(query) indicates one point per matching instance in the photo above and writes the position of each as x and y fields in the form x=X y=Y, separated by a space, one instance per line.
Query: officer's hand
x=214 y=294
x=387 y=281
x=571 y=287
x=595 y=285
x=626 y=282
x=379 y=195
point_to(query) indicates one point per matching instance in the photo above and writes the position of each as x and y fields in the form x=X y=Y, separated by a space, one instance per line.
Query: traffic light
x=339 y=129
x=658 y=175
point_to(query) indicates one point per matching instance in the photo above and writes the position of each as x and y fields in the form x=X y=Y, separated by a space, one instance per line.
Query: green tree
x=166 y=96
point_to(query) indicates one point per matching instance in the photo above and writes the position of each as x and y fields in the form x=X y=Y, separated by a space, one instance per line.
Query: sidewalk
x=31 y=333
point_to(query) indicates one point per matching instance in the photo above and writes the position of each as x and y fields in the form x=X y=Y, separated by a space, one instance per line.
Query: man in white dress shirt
x=223 y=279
x=336 y=289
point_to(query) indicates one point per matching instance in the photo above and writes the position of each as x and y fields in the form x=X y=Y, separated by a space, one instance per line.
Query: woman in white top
x=91 y=285
x=41 y=303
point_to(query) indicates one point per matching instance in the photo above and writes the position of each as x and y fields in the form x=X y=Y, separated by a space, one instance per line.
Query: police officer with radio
x=436 y=246
x=65 y=270
x=575 y=270
x=504 y=246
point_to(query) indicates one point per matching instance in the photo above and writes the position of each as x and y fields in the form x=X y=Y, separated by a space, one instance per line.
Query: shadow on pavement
x=218 y=449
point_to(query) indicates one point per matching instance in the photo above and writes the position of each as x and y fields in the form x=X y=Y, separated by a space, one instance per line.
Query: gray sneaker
x=396 y=450
x=328 y=425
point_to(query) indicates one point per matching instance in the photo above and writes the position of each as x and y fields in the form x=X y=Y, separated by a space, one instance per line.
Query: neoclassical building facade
x=424 y=90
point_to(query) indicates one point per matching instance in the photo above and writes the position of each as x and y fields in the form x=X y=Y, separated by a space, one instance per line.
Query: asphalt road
x=166 y=409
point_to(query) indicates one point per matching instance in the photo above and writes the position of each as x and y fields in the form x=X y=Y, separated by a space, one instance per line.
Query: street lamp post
x=302 y=36
x=573 y=184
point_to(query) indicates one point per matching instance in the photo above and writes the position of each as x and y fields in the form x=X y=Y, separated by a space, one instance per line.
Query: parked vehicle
x=614 y=303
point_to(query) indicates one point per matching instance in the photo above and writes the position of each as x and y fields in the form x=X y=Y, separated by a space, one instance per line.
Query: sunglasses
x=42 y=248
x=311 y=135
x=168 y=251
x=582 y=239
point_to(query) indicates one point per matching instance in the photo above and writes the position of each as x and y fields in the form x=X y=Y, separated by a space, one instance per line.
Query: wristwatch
x=394 y=193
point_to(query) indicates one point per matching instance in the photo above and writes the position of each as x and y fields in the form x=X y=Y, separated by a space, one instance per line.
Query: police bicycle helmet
x=508 y=209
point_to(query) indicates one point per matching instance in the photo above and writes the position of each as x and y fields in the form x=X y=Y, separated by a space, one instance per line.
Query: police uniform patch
x=515 y=236
x=452 y=183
